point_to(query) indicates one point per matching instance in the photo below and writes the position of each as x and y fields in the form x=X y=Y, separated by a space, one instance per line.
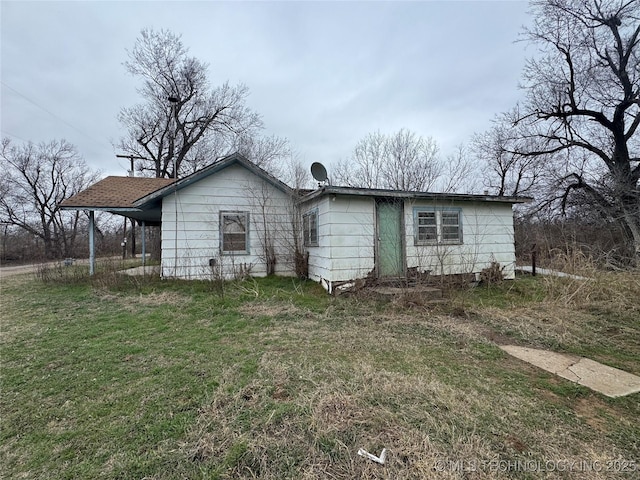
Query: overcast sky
x=322 y=74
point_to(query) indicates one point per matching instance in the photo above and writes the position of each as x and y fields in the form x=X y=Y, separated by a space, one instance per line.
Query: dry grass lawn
x=273 y=379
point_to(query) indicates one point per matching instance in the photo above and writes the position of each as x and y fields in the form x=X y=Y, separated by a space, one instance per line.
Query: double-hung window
x=234 y=232
x=434 y=226
x=310 y=228
x=427 y=227
x=450 y=231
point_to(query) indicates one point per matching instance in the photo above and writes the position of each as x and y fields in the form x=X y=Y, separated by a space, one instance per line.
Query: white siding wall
x=346 y=237
x=487 y=236
x=352 y=237
x=346 y=232
x=346 y=227
x=198 y=216
x=320 y=256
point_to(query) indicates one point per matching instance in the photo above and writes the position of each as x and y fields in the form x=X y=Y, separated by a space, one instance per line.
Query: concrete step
x=422 y=291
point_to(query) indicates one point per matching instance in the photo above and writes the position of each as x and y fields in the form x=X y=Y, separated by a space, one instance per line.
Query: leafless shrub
x=603 y=244
x=493 y=274
x=61 y=273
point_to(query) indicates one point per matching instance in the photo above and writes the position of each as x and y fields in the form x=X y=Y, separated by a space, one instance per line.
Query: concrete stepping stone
x=148 y=270
x=604 y=379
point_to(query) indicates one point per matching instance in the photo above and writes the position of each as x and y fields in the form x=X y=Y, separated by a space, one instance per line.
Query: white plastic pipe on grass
x=363 y=453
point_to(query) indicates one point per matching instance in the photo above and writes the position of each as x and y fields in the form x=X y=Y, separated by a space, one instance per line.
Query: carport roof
x=115 y=193
x=118 y=195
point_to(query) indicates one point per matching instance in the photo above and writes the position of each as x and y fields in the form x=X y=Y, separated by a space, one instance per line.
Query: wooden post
x=124 y=236
x=533 y=260
x=133 y=238
x=144 y=244
x=92 y=244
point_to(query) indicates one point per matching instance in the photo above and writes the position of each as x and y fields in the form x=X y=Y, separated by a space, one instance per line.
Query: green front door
x=390 y=245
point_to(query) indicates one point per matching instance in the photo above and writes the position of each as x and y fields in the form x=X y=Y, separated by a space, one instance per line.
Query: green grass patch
x=272 y=378
x=525 y=290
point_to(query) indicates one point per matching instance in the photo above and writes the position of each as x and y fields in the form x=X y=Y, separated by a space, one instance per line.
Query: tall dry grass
x=590 y=312
x=588 y=284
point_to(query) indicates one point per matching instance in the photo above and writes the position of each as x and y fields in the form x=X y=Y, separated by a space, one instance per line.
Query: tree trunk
x=633 y=225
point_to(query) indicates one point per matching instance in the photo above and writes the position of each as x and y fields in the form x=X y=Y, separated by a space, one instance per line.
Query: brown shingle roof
x=116 y=192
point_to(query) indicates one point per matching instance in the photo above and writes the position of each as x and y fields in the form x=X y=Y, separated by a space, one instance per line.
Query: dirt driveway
x=18 y=269
x=33 y=268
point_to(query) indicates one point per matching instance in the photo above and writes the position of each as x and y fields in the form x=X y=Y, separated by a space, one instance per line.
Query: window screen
x=234 y=228
x=427 y=227
x=310 y=227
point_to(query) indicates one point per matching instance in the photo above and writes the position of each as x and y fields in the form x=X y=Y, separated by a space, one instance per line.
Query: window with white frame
x=434 y=226
x=310 y=228
x=234 y=232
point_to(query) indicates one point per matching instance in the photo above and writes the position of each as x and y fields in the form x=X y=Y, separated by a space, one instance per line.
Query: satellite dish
x=319 y=172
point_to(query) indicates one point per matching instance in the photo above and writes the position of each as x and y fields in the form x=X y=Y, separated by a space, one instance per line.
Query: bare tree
x=293 y=173
x=277 y=227
x=183 y=120
x=506 y=171
x=405 y=161
x=459 y=173
x=36 y=178
x=267 y=152
x=402 y=161
x=363 y=169
x=583 y=100
x=412 y=162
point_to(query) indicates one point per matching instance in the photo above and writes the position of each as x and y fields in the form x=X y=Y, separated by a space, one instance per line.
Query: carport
x=118 y=195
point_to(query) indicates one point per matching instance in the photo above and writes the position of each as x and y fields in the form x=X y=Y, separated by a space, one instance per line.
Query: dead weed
x=263 y=309
x=150 y=299
x=318 y=429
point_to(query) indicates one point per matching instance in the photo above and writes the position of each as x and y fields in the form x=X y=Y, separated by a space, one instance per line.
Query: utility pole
x=131 y=158
x=173 y=101
x=132 y=173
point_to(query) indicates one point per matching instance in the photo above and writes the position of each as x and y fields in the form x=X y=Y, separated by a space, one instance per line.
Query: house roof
x=141 y=198
x=235 y=158
x=384 y=193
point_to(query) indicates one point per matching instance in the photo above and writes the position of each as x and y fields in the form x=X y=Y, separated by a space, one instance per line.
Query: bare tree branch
x=36 y=178
x=582 y=108
x=400 y=161
x=199 y=127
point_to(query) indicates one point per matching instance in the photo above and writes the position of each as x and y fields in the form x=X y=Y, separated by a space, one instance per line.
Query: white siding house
x=230 y=219
x=234 y=219
x=383 y=233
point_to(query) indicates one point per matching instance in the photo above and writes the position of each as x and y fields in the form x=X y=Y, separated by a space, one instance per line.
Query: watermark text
x=616 y=465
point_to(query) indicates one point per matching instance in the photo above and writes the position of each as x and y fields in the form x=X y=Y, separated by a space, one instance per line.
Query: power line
x=4 y=132
x=52 y=114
